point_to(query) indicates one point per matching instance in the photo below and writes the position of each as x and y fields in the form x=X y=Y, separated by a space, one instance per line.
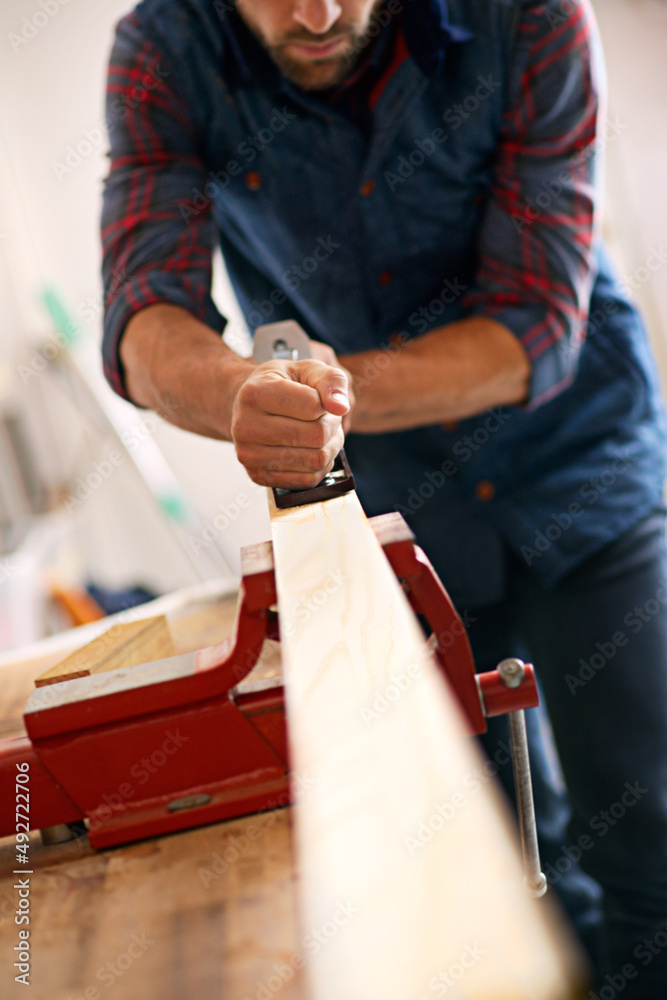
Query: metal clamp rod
x=512 y=672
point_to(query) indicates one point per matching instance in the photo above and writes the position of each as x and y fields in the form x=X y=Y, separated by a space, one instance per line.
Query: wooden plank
x=407 y=867
x=217 y=904
x=123 y=645
x=196 y=619
x=176 y=605
x=207 y=914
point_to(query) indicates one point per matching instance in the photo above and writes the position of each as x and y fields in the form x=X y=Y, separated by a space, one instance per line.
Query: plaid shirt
x=473 y=193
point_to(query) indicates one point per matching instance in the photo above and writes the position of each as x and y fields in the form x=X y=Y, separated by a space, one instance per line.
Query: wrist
x=229 y=374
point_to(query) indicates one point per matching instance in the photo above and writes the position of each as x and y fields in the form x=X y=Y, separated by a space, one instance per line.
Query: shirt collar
x=426 y=24
x=429 y=33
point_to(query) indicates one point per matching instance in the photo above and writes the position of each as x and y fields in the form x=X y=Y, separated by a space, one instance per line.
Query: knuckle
x=320 y=459
x=319 y=435
x=247 y=394
x=308 y=480
x=238 y=429
x=261 y=477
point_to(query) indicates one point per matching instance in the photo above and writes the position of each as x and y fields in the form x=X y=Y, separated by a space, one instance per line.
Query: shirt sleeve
x=536 y=255
x=158 y=232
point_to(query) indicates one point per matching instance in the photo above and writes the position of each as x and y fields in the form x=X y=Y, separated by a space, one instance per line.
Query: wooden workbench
x=208 y=914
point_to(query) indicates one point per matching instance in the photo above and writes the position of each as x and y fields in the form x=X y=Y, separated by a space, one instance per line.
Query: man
x=415 y=182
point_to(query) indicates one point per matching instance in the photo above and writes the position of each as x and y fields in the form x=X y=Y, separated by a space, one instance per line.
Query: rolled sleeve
x=536 y=253
x=157 y=235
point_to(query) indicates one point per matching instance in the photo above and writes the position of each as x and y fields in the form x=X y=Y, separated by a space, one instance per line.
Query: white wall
x=634 y=33
x=51 y=96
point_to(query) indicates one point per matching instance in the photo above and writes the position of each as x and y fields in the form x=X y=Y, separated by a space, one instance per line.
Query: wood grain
x=195 y=619
x=405 y=866
x=217 y=904
x=125 y=644
x=208 y=914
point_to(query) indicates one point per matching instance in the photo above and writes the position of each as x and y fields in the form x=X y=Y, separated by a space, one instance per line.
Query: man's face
x=315 y=43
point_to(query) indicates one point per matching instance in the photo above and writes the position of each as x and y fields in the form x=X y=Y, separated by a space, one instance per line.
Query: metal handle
x=512 y=673
x=287 y=341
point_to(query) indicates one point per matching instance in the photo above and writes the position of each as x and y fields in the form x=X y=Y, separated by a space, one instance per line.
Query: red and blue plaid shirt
x=464 y=184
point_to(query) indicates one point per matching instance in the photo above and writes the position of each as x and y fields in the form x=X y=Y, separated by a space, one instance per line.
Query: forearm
x=179 y=367
x=449 y=373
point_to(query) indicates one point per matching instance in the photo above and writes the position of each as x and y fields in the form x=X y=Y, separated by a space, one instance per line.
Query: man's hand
x=287 y=421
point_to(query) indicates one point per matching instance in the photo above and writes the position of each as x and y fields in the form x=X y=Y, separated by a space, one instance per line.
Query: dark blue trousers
x=599 y=644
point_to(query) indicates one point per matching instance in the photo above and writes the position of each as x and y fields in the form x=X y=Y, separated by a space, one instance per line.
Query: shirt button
x=367 y=188
x=385 y=278
x=450 y=425
x=253 y=180
x=485 y=490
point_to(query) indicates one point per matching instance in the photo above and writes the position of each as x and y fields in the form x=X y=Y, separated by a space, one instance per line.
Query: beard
x=312 y=73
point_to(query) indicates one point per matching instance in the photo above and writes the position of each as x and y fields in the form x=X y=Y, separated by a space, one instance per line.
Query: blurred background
x=93 y=491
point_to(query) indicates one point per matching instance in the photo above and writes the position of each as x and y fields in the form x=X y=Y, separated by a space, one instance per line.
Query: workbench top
x=209 y=914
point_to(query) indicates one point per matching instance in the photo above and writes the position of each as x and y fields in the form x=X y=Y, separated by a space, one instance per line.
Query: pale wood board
x=183 y=603
x=195 y=619
x=397 y=918
x=125 y=644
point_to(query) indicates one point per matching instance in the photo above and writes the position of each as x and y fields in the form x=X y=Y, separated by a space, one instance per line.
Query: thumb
x=330 y=383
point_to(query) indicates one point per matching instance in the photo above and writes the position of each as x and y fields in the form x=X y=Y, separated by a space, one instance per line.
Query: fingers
x=302 y=390
x=271 y=391
x=266 y=429
x=289 y=468
x=286 y=422
x=322 y=352
x=330 y=383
